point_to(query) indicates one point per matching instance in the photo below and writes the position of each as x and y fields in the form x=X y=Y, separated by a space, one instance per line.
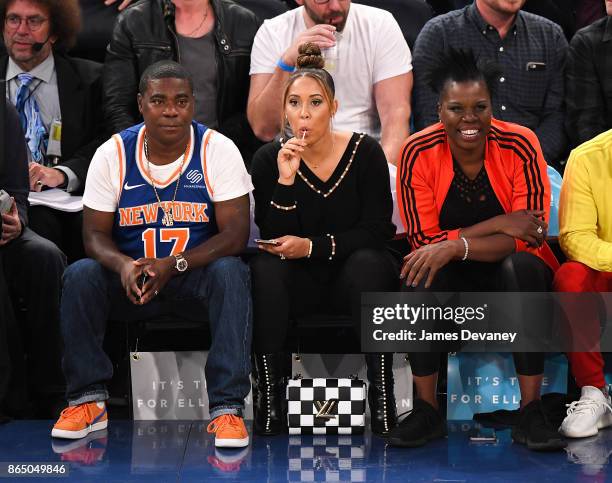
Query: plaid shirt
x=588 y=76
x=531 y=56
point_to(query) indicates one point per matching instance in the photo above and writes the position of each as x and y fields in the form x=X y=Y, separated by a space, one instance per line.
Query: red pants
x=587 y=367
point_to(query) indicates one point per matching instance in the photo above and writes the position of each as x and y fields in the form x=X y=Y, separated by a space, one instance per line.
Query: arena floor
x=175 y=451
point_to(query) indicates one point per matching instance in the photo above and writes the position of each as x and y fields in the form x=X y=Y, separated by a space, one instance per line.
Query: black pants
x=62 y=228
x=7 y=320
x=284 y=289
x=518 y=272
x=33 y=269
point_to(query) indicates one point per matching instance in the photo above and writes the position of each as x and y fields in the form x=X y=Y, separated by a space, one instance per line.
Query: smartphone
x=5 y=202
x=259 y=241
x=483 y=435
x=535 y=66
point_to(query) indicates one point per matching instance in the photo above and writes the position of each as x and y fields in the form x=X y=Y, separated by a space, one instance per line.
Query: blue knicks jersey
x=138 y=229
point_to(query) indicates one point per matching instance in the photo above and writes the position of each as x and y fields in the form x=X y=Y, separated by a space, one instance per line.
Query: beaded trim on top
x=337 y=183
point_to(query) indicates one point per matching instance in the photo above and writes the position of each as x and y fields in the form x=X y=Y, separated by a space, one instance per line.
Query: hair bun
x=310 y=57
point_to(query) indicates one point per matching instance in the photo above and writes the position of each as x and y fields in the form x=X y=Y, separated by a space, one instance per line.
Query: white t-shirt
x=371 y=48
x=225 y=171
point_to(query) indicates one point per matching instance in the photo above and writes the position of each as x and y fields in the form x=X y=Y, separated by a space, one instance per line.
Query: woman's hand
x=288 y=160
x=289 y=246
x=427 y=260
x=526 y=225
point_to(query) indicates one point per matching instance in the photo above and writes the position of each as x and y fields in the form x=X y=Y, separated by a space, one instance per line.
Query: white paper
x=56 y=199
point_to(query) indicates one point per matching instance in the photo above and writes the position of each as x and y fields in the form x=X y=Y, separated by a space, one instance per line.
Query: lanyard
x=31 y=90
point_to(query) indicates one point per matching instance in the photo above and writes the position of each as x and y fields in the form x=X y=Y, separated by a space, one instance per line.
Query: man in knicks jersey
x=166 y=211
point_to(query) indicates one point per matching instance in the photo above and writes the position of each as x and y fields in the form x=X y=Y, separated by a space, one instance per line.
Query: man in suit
x=31 y=268
x=59 y=102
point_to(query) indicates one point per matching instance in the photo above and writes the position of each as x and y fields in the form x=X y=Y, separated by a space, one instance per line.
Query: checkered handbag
x=326 y=406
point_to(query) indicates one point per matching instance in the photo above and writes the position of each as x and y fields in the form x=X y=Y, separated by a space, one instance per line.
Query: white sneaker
x=585 y=417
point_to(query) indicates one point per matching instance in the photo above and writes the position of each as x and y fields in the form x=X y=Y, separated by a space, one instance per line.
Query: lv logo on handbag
x=325 y=408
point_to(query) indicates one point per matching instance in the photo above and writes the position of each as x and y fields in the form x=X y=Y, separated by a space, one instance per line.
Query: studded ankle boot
x=270 y=372
x=380 y=393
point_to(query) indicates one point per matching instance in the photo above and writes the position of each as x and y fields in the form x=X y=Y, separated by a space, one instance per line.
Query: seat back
x=555 y=191
x=98 y=24
x=264 y=9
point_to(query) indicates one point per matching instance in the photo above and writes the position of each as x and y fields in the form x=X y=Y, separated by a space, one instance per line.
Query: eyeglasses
x=34 y=23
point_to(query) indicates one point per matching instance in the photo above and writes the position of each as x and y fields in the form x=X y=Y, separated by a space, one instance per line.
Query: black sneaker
x=535 y=431
x=423 y=424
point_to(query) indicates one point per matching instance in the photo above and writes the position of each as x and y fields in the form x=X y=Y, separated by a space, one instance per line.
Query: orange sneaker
x=78 y=421
x=230 y=431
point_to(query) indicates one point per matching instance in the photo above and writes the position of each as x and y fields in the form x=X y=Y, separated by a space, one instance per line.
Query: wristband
x=309 y=248
x=467 y=249
x=282 y=66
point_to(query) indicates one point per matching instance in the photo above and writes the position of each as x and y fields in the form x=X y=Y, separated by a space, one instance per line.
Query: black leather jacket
x=145 y=33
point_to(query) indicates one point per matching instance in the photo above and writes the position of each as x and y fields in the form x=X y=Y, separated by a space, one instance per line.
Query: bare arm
x=232 y=217
x=98 y=240
x=429 y=259
x=521 y=224
x=99 y=244
x=392 y=97
x=264 y=105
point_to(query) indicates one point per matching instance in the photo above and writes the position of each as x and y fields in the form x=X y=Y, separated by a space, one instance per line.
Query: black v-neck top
x=358 y=212
x=469 y=202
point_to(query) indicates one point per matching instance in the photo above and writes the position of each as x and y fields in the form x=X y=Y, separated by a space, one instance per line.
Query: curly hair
x=64 y=18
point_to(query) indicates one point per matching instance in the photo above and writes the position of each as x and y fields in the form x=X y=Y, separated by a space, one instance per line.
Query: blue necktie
x=31 y=120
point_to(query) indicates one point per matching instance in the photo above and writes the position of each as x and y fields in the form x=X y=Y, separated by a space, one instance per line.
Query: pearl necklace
x=337 y=183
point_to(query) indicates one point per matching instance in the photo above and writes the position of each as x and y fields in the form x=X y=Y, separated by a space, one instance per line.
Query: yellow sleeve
x=578 y=218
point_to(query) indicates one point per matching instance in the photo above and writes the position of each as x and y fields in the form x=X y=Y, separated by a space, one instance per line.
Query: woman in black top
x=323 y=196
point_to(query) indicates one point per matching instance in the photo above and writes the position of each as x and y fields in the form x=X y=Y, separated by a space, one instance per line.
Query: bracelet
x=282 y=66
x=284 y=208
x=467 y=249
x=333 y=245
x=309 y=248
